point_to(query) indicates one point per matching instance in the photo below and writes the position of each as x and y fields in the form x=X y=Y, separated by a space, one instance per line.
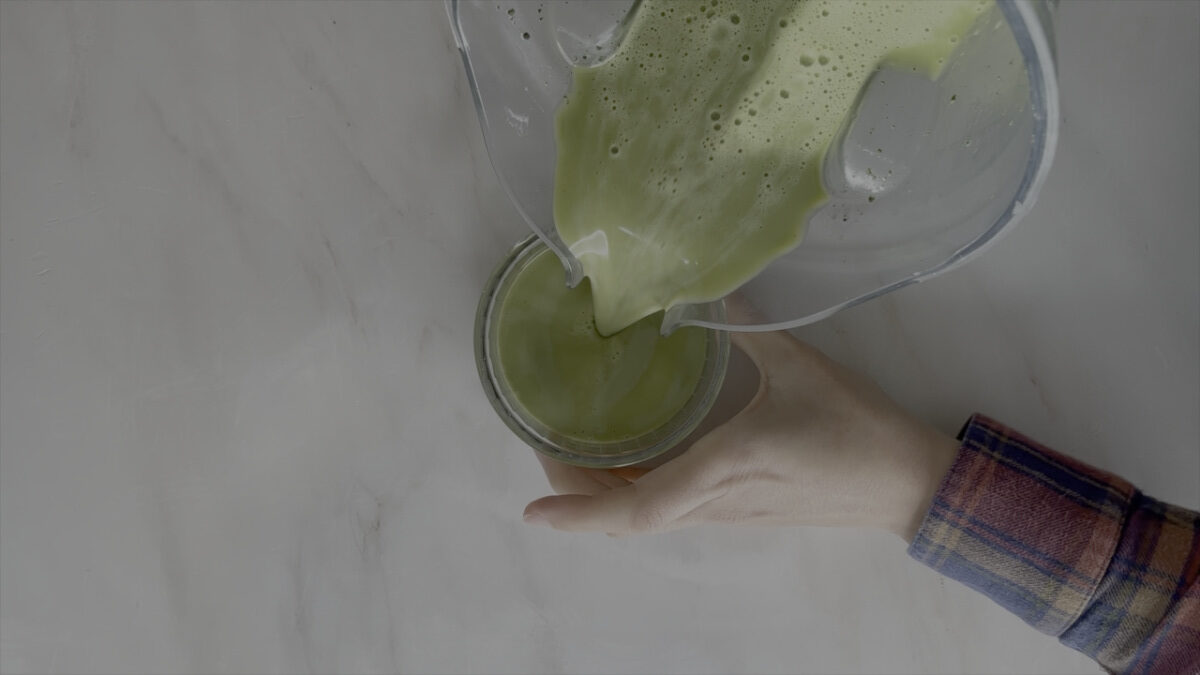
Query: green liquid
x=692 y=157
x=579 y=383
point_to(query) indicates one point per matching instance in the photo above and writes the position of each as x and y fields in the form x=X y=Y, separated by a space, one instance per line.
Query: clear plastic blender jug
x=923 y=177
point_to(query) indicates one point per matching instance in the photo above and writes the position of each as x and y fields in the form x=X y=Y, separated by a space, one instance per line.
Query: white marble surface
x=240 y=425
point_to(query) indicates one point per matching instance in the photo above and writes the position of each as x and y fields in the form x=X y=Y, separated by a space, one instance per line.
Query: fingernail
x=536 y=518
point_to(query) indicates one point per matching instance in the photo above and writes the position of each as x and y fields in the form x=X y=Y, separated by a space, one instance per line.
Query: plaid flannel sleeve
x=1074 y=551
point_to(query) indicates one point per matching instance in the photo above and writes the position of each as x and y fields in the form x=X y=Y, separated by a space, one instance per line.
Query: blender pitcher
x=923 y=177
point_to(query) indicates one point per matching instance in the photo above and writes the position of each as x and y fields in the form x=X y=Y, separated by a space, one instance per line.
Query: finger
x=609 y=511
x=610 y=479
x=665 y=498
x=629 y=473
x=739 y=310
x=567 y=479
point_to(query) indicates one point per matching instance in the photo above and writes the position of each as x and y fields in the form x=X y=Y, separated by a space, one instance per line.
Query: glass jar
x=562 y=447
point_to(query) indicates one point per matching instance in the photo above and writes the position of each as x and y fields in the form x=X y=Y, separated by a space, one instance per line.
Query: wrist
x=934 y=458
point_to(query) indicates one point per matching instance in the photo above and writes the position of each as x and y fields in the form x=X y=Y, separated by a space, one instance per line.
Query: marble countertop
x=240 y=425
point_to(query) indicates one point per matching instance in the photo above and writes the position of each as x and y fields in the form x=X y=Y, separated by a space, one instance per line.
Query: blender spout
x=676 y=316
x=571 y=265
x=709 y=314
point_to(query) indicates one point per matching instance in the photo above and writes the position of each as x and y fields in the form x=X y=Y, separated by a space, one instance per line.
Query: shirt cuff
x=1032 y=529
x=1145 y=616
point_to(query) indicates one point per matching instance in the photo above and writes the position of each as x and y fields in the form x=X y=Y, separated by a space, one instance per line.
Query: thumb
x=669 y=497
x=608 y=511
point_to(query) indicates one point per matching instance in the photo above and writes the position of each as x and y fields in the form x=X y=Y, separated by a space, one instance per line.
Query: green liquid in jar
x=563 y=373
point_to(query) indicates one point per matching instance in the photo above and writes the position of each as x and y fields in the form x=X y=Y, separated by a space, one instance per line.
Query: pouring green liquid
x=687 y=162
x=581 y=384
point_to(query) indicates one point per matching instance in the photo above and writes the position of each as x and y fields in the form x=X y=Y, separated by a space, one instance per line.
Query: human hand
x=817 y=445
